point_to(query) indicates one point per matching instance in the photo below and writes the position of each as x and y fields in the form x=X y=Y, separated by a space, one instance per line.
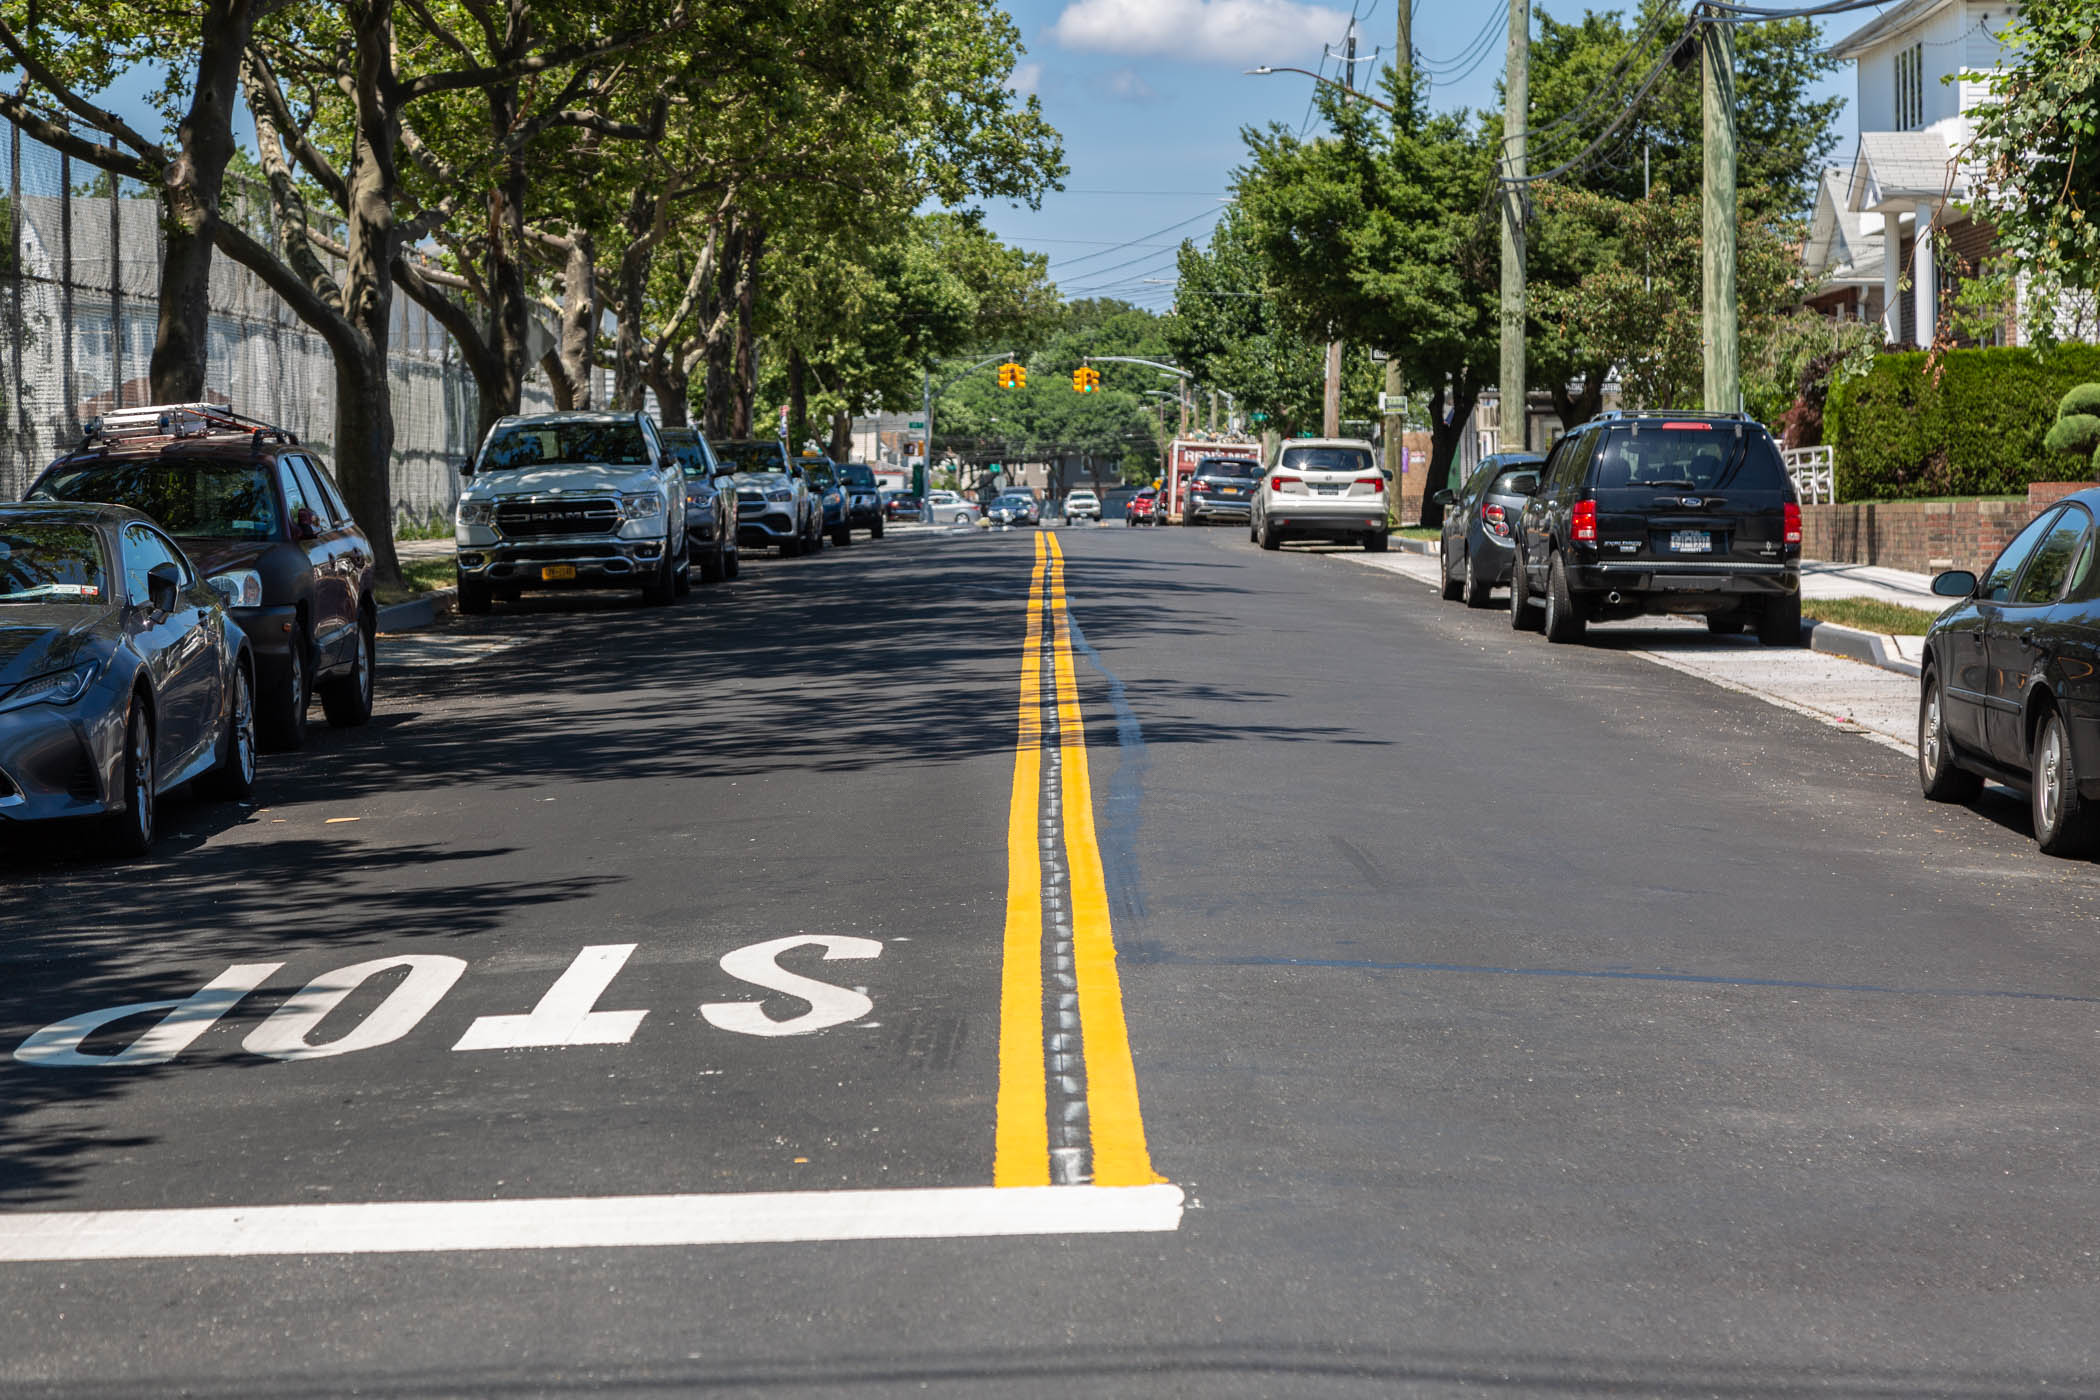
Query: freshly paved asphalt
x=1518 y=1019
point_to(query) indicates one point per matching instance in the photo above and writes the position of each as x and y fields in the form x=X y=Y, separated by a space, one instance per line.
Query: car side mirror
x=164 y=587
x=1955 y=583
x=1445 y=498
x=465 y=466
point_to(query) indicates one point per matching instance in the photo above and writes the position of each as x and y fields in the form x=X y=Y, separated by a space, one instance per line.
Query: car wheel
x=284 y=711
x=875 y=530
x=790 y=546
x=682 y=575
x=843 y=535
x=475 y=596
x=1376 y=542
x=961 y=517
x=1726 y=624
x=713 y=564
x=132 y=830
x=1452 y=587
x=1564 y=621
x=1269 y=538
x=234 y=778
x=347 y=700
x=2063 y=821
x=1477 y=591
x=662 y=586
x=732 y=563
x=1780 y=623
x=1523 y=613
x=1938 y=777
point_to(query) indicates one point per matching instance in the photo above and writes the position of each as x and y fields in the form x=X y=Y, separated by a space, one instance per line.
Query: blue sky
x=1150 y=98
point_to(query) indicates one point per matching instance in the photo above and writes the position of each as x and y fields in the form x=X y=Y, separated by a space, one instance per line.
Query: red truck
x=1182 y=456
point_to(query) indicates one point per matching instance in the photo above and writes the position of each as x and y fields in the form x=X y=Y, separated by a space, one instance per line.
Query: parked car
x=124 y=676
x=902 y=505
x=1661 y=513
x=774 y=504
x=1478 y=540
x=710 y=504
x=1223 y=488
x=1322 y=489
x=863 y=498
x=260 y=516
x=830 y=495
x=2009 y=685
x=1014 y=508
x=1138 y=509
x=1082 y=504
x=949 y=507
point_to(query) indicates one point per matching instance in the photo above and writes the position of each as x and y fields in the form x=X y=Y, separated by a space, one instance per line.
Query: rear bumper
x=1221 y=508
x=1629 y=576
x=1300 y=521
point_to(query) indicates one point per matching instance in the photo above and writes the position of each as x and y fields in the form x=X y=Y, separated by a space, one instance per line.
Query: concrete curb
x=1406 y=546
x=417 y=613
x=1870 y=647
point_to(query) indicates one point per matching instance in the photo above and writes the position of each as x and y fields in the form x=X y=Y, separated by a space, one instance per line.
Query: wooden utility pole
x=1718 y=329
x=1331 y=397
x=1516 y=117
x=1395 y=387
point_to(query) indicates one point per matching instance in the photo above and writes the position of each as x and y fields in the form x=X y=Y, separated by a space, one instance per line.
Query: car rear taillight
x=1288 y=483
x=1793 y=523
x=1491 y=516
x=1376 y=483
x=1582 y=524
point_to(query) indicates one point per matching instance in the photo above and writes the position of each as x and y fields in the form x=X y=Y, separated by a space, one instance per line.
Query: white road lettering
x=58 y=1044
x=564 y=1015
x=828 y=1005
x=285 y=1035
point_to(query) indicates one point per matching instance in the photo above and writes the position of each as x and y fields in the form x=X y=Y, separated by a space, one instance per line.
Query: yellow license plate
x=551 y=572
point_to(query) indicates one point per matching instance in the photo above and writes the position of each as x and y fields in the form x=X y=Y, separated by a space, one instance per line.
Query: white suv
x=1323 y=489
x=1082 y=505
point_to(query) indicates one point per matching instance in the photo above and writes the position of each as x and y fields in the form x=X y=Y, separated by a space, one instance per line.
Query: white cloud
x=1026 y=79
x=1126 y=86
x=1208 y=31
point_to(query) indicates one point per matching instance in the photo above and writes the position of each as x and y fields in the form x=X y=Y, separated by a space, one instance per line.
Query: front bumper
x=60 y=760
x=600 y=561
x=771 y=524
x=269 y=631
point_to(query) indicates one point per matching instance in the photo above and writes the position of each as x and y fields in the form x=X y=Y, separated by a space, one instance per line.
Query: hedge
x=1976 y=431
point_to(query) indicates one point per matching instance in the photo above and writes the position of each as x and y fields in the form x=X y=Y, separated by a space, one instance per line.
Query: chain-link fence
x=79 y=290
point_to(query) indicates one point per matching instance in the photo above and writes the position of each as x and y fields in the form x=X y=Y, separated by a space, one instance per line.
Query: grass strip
x=1869 y=615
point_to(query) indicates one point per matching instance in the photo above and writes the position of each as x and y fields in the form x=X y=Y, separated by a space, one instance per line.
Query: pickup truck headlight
x=51 y=688
x=241 y=588
x=646 y=506
x=476 y=513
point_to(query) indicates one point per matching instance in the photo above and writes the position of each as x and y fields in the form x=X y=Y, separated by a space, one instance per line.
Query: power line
x=1086 y=257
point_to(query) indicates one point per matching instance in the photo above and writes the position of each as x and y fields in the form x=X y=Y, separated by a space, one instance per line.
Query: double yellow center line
x=1068 y=1098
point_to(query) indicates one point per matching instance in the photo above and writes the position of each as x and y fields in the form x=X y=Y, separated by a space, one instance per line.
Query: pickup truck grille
x=592 y=515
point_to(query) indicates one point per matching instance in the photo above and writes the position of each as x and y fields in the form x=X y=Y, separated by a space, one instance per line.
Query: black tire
x=1938 y=776
x=662 y=586
x=732 y=563
x=1726 y=624
x=961 y=517
x=682 y=573
x=1453 y=588
x=1268 y=537
x=475 y=597
x=1779 y=625
x=713 y=565
x=1564 y=621
x=791 y=548
x=234 y=777
x=282 y=714
x=131 y=831
x=347 y=700
x=1376 y=542
x=2063 y=820
x=875 y=530
x=1523 y=613
x=843 y=535
x=1477 y=591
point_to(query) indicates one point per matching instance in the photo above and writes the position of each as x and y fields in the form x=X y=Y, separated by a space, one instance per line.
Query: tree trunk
x=579 y=321
x=798 y=401
x=1444 y=438
x=1577 y=409
x=744 y=381
x=841 y=435
x=190 y=191
x=509 y=316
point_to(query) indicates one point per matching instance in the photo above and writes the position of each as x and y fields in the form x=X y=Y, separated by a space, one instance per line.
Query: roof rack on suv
x=178 y=420
x=1619 y=415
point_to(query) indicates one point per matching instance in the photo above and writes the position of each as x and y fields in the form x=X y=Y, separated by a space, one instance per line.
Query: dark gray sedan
x=121 y=674
x=1480 y=520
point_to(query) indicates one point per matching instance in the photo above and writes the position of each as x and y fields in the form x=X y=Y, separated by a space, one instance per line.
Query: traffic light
x=1013 y=376
x=1086 y=380
x=1006 y=376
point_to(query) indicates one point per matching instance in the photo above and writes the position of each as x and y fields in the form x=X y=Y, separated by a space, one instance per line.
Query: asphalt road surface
x=1096 y=962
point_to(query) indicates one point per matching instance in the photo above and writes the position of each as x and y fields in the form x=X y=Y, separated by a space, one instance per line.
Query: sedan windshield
x=527 y=445
x=205 y=499
x=51 y=564
x=1326 y=459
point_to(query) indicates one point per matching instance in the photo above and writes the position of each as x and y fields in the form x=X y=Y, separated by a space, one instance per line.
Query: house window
x=1910 y=87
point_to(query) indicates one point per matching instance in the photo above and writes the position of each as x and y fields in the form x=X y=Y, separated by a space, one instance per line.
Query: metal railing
x=1814 y=470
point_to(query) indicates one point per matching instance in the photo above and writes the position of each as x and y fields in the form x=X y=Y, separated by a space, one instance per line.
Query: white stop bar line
x=587 y=1222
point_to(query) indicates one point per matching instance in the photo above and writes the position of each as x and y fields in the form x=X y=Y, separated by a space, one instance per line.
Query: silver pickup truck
x=571 y=500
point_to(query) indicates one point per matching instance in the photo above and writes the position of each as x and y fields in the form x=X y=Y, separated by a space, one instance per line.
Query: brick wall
x=1923 y=536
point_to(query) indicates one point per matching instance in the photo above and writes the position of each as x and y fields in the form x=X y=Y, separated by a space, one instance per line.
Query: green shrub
x=2077 y=433
x=1975 y=429
x=2084 y=398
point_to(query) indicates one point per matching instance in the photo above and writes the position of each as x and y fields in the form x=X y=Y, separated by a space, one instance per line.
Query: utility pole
x=922 y=475
x=1516 y=116
x=1724 y=378
x=1395 y=387
x=1331 y=395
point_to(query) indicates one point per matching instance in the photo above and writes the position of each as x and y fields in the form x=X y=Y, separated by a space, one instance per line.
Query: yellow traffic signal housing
x=1079 y=381
x=1086 y=380
x=1013 y=376
x=1020 y=376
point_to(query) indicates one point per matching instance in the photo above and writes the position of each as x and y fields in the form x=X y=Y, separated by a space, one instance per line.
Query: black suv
x=1223 y=488
x=1661 y=513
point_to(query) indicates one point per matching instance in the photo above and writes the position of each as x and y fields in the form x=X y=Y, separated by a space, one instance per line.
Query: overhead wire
x=1087 y=257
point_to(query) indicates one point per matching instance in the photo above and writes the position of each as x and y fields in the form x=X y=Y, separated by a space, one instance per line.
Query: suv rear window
x=858 y=474
x=1230 y=466
x=534 y=444
x=1326 y=459
x=751 y=456
x=197 y=498
x=1689 y=457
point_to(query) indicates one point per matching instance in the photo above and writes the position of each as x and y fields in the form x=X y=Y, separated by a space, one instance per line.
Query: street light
x=1265 y=70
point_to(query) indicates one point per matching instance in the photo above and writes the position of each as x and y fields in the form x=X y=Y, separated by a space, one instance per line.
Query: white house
x=1906 y=178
